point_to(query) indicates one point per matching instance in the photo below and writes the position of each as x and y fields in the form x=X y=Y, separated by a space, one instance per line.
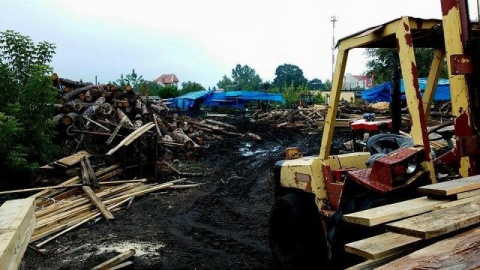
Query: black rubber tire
x=297 y=239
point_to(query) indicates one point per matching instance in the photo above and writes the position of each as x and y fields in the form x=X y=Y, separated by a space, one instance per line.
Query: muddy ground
x=221 y=225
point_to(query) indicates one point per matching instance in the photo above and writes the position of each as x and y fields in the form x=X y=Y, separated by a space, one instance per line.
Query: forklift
x=306 y=100
x=312 y=193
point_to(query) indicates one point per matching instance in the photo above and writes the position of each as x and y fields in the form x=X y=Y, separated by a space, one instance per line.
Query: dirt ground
x=221 y=225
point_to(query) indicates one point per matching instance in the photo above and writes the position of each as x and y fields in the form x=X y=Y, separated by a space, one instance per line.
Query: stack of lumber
x=17 y=221
x=443 y=228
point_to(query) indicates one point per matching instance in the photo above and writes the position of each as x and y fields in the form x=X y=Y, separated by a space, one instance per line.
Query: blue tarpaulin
x=235 y=99
x=382 y=92
x=188 y=100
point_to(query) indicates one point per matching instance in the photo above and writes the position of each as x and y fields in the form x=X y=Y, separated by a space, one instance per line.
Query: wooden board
x=468 y=194
x=115 y=260
x=452 y=187
x=131 y=137
x=73 y=159
x=438 y=222
x=459 y=252
x=98 y=203
x=387 y=213
x=17 y=221
x=473 y=199
x=373 y=264
x=382 y=245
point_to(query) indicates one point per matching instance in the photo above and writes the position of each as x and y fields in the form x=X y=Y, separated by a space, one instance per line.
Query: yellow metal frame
x=458 y=83
x=294 y=173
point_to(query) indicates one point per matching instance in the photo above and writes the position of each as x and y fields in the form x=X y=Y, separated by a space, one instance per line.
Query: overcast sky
x=200 y=40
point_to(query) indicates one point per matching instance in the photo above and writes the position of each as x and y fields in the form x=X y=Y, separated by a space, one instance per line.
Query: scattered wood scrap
x=116 y=261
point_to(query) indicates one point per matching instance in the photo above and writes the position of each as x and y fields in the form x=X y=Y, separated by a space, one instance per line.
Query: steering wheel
x=444 y=131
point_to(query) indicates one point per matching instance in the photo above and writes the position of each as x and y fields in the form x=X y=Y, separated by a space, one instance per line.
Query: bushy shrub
x=26 y=108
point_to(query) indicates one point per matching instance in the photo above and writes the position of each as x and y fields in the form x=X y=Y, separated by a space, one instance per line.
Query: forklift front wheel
x=297 y=239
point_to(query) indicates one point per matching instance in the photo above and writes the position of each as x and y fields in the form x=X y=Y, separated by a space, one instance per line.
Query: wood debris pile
x=92 y=195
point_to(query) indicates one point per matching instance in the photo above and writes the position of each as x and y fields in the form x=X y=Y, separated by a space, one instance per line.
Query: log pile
x=311 y=117
x=103 y=119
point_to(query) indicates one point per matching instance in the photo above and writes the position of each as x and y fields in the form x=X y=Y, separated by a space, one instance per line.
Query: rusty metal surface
x=461 y=64
x=334 y=190
x=468 y=146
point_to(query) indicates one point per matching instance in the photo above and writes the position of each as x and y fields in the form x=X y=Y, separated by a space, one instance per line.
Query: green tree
x=328 y=85
x=291 y=94
x=133 y=79
x=380 y=64
x=189 y=86
x=246 y=78
x=225 y=83
x=151 y=86
x=26 y=105
x=316 y=84
x=168 y=91
x=243 y=78
x=288 y=74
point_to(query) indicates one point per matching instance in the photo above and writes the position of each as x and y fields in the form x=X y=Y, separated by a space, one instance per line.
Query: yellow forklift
x=314 y=192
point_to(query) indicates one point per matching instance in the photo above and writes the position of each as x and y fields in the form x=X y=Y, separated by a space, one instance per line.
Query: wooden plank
x=96 y=201
x=115 y=260
x=467 y=194
x=91 y=173
x=452 y=187
x=438 y=222
x=112 y=207
x=373 y=264
x=121 y=265
x=382 y=245
x=458 y=252
x=391 y=212
x=85 y=173
x=474 y=199
x=131 y=137
x=17 y=221
x=149 y=190
x=73 y=159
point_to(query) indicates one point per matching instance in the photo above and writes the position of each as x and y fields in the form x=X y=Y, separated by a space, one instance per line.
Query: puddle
x=245 y=150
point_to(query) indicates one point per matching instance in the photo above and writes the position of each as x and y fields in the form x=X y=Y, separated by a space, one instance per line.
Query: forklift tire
x=297 y=239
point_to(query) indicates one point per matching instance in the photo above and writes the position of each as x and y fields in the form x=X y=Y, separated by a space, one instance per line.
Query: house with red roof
x=167 y=79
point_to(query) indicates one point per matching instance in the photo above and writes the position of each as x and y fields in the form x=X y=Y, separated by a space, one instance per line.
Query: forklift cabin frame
x=323 y=175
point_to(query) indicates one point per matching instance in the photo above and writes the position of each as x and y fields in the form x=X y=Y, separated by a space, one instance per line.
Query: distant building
x=352 y=87
x=167 y=79
x=356 y=82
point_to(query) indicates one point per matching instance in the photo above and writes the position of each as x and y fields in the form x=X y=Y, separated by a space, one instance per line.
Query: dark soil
x=221 y=225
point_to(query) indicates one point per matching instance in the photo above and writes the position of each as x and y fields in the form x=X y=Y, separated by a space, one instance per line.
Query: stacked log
x=92 y=114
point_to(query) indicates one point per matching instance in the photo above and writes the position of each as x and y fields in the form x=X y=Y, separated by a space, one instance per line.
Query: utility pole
x=333 y=19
